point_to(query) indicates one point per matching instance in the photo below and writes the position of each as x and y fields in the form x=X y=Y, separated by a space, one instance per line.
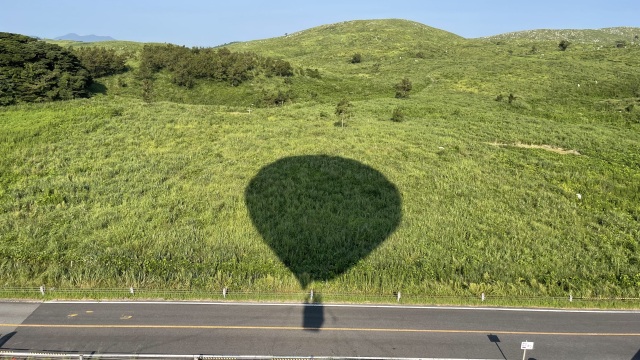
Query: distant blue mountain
x=84 y=38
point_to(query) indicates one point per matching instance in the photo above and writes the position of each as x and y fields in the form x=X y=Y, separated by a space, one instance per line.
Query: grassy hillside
x=376 y=40
x=606 y=36
x=476 y=190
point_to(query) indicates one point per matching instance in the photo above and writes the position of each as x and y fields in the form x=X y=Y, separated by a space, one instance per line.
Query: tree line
x=35 y=71
x=187 y=65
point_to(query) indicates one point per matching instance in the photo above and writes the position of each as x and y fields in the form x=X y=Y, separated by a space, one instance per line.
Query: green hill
x=515 y=172
x=376 y=40
x=606 y=36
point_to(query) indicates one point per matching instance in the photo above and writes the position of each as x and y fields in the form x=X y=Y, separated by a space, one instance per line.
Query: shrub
x=101 y=62
x=278 y=67
x=356 y=58
x=403 y=88
x=220 y=65
x=278 y=99
x=147 y=90
x=397 y=115
x=313 y=73
x=343 y=110
x=564 y=44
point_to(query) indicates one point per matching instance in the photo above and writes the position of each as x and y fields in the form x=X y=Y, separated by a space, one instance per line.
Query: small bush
x=278 y=99
x=356 y=58
x=147 y=90
x=564 y=44
x=397 y=115
x=313 y=73
x=343 y=110
x=403 y=88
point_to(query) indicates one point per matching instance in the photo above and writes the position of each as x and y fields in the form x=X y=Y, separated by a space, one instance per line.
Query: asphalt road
x=306 y=330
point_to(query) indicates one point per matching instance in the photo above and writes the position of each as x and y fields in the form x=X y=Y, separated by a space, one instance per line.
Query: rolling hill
x=598 y=36
x=378 y=39
x=515 y=172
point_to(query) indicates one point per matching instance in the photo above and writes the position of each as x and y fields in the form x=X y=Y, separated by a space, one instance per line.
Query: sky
x=210 y=22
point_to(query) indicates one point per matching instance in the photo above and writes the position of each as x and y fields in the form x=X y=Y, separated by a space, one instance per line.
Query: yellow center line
x=297 y=328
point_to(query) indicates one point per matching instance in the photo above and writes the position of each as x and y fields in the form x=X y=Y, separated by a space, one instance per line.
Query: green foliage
x=219 y=65
x=147 y=90
x=397 y=115
x=34 y=71
x=101 y=61
x=356 y=58
x=344 y=109
x=564 y=44
x=620 y=44
x=278 y=98
x=313 y=73
x=403 y=88
x=277 y=67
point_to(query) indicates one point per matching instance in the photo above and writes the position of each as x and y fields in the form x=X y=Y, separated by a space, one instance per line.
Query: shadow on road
x=6 y=337
x=496 y=340
x=313 y=317
x=322 y=214
x=635 y=357
x=313 y=313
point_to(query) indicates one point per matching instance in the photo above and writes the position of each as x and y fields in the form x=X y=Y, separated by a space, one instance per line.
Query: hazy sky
x=212 y=22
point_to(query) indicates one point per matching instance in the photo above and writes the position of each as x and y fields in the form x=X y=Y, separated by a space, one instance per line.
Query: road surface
x=326 y=330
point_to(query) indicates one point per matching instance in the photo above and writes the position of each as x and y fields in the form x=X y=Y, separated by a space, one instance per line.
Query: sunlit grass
x=153 y=195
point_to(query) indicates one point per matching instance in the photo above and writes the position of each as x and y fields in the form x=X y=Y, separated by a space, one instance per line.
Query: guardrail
x=44 y=355
x=131 y=293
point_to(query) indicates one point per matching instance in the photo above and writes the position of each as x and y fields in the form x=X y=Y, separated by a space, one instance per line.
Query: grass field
x=536 y=194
